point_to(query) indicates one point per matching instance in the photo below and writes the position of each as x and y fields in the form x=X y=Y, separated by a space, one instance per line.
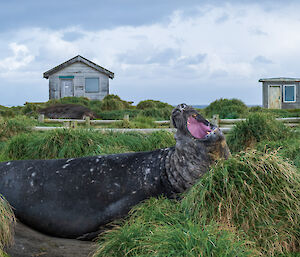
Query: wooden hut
x=78 y=77
x=281 y=93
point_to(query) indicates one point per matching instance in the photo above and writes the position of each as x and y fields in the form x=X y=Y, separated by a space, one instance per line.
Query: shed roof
x=75 y=59
x=280 y=79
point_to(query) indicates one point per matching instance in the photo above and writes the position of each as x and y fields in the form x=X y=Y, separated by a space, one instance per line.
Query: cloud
x=148 y=55
x=72 y=35
x=186 y=56
x=20 y=57
x=258 y=31
x=192 y=60
x=224 y=17
x=262 y=59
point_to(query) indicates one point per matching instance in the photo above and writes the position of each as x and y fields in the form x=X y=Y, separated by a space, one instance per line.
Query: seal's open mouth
x=197 y=128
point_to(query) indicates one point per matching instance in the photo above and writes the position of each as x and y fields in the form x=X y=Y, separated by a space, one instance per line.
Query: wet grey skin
x=73 y=198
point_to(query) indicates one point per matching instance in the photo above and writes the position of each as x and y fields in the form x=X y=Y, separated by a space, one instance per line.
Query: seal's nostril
x=182 y=107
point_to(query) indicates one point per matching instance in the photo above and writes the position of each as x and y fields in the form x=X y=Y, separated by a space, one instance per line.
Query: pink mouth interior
x=196 y=128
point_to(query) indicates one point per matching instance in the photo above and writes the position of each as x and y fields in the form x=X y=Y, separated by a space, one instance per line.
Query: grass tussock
x=7 y=221
x=158 y=227
x=255 y=192
x=288 y=148
x=14 y=126
x=247 y=205
x=65 y=143
x=256 y=128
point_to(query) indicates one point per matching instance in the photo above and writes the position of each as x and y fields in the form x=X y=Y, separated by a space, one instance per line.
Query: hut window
x=289 y=93
x=91 y=85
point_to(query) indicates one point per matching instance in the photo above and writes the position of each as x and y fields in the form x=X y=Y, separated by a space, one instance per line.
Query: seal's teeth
x=194 y=115
x=188 y=123
x=208 y=132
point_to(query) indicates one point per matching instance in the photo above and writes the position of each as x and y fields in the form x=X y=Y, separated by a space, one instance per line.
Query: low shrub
x=114 y=102
x=153 y=104
x=13 y=126
x=69 y=100
x=118 y=114
x=31 y=109
x=9 y=111
x=278 y=113
x=256 y=128
x=7 y=221
x=157 y=114
x=227 y=108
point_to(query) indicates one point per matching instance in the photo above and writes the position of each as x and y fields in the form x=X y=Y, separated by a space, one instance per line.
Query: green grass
x=256 y=128
x=257 y=193
x=278 y=113
x=66 y=143
x=13 y=126
x=137 y=122
x=159 y=228
x=245 y=206
x=288 y=148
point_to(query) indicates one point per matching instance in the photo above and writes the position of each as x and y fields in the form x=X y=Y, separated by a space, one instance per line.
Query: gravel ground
x=30 y=243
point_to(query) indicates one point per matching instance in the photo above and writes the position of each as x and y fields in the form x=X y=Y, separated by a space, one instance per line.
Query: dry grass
x=7 y=221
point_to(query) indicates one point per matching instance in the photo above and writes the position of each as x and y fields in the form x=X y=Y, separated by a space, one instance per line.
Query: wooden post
x=74 y=124
x=66 y=124
x=126 y=117
x=88 y=121
x=41 y=118
x=215 y=120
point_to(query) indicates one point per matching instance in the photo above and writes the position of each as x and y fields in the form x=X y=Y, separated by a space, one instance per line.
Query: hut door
x=66 y=88
x=274 y=97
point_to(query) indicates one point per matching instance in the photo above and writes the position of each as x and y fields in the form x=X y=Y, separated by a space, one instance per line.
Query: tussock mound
x=256 y=128
x=256 y=192
x=245 y=206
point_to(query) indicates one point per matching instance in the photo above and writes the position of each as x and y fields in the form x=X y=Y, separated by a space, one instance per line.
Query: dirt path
x=30 y=243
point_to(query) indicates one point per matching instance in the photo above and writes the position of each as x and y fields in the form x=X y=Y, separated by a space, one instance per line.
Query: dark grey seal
x=72 y=198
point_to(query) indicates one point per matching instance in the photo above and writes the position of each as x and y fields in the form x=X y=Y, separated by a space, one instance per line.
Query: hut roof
x=75 y=59
x=280 y=79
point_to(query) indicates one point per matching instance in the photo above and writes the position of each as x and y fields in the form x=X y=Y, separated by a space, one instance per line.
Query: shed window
x=91 y=85
x=289 y=93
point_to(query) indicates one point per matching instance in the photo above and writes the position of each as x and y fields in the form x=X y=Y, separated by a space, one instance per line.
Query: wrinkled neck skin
x=191 y=158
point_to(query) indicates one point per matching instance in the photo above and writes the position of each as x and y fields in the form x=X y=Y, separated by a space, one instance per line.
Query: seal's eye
x=197 y=128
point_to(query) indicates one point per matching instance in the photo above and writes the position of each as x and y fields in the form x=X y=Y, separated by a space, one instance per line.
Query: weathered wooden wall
x=80 y=71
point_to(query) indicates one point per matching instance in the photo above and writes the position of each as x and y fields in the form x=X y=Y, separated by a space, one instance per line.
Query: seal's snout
x=182 y=107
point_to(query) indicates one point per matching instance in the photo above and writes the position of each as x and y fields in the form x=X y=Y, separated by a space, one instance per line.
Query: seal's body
x=73 y=197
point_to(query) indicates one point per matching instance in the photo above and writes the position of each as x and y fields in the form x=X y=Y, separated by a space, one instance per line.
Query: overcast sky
x=168 y=50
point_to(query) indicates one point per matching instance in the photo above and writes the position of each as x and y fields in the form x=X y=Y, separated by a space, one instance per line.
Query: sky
x=175 y=51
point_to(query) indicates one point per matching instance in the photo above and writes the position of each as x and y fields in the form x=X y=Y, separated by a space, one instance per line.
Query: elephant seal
x=72 y=198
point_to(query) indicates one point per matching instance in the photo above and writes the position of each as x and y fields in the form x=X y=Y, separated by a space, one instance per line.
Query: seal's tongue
x=197 y=128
